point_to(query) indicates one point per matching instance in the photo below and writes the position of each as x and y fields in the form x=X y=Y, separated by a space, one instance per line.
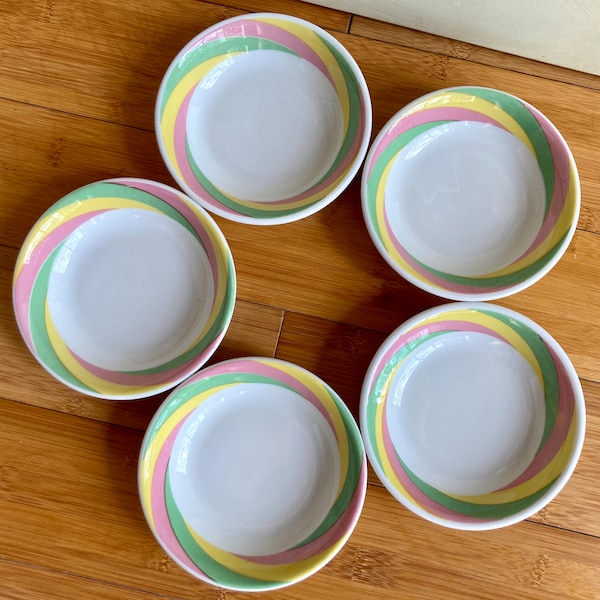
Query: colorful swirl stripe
x=248 y=35
x=36 y=260
x=510 y=114
x=196 y=554
x=557 y=440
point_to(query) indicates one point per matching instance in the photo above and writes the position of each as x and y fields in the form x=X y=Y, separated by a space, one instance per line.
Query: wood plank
x=118 y=69
x=340 y=355
x=521 y=27
x=335 y=19
x=337 y=353
x=26 y=582
x=404 y=36
x=254 y=330
x=71 y=483
x=393 y=554
x=47 y=154
x=331 y=270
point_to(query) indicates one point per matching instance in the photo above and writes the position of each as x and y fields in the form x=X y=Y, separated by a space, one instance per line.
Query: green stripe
x=355 y=109
x=520 y=113
x=386 y=157
x=98 y=190
x=216 y=193
x=221 y=47
x=225 y=312
x=547 y=367
x=188 y=392
x=39 y=329
x=551 y=401
x=471 y=509
x=355 y=461
x=377 y=395
x=213 y=569
x=502 y=280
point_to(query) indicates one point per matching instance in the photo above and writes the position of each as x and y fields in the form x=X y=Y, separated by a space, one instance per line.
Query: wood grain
x=74 y=511
x=254 y=330
x=411 y=38
x=77 y=89
x=20 y=581
x=340 y=354
x=73 y=62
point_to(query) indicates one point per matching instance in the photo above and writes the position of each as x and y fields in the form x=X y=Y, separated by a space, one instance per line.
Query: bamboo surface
x=77 y=87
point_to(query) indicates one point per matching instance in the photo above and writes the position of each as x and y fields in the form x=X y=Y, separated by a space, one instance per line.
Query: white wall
x=561 y=32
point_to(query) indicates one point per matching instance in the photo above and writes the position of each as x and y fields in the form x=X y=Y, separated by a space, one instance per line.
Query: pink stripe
x=343 y=525
x=260 y=29
x=420 y=331
x=561 y=167
x=562 y=177
x=163 y=377
x=24 y=283
x=557 y=438
x=341 y=168
x=417 y=495
x=272 y=372
x=430 y=277
x=159 y=506
x=428 y=115
x=181 y=157
x=172 y=198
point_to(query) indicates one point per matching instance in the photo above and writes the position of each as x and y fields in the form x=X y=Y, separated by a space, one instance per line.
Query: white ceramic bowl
x=473 y=416
x=252 y=474
x=470 y=193
x=124 y=288
x=263 y=118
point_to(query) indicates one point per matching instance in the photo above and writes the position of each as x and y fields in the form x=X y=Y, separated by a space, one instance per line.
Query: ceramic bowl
x=263 y=118
x=124 y=288
x=470 y=193
x=252 y=474
x=473 y=416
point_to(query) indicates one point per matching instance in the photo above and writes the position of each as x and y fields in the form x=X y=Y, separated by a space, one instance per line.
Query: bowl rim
x=348 y=176
x=579 y=411
x=440 y=291
x=221 y=246
x=355 y=439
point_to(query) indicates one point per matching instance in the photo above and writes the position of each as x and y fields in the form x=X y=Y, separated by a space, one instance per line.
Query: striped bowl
x=473 y=416
x=124 y=288
x=470 y=193
x=237 y=479
x=263 y=118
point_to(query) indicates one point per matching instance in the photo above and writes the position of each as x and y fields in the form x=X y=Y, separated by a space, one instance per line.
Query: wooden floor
x=77 y=86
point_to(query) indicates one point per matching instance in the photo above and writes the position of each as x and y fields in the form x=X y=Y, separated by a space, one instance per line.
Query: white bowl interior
x=466 y=413
x=264 y=126
x=255 y=469
x=130 y=290
x=465 y=198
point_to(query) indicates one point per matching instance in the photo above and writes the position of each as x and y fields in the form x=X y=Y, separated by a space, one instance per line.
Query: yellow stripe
x=508 y=333
x=379 y=443
x=561 y=227
x=160 y=438
x=54 y=220
x=489 y=109
x=552 y=470
x=286 y=572
x=332 y=410
x=175 y=100
x=81 y=373
x=158 y=441
x=385 y=236
x=314 y=41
